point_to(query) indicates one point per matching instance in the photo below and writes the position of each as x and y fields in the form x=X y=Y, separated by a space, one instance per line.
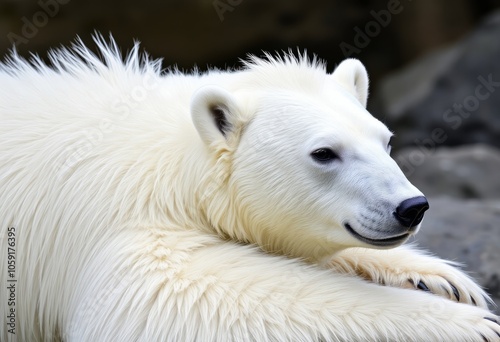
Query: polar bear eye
x=324 y=155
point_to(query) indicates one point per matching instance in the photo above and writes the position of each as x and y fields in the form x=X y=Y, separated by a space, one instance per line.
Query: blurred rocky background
x=435 y=81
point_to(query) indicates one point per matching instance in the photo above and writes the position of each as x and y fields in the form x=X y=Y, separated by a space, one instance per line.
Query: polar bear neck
x=224 y=214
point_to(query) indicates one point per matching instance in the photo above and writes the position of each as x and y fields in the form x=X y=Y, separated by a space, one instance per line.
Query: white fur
x=138 y=220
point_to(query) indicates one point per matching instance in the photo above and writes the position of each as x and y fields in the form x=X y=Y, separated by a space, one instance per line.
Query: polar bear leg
x=168 y=287
x=408 y=267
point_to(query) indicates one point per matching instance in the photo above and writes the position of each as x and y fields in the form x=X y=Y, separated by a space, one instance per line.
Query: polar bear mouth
x=395 y=240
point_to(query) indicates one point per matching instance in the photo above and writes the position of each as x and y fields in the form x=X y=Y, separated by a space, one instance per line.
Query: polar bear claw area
x=142 y=205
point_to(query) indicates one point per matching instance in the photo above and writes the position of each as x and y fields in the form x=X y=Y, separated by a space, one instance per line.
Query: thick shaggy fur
x=129 y=228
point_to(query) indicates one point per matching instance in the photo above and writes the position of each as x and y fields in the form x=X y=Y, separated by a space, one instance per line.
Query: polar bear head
x=307 y=169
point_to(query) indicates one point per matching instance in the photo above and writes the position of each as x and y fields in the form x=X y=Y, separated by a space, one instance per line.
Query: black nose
x=411 y=211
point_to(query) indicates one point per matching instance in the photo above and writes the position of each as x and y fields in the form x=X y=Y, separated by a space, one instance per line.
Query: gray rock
x=467 y=232
x=454 y=91
x=459 y=172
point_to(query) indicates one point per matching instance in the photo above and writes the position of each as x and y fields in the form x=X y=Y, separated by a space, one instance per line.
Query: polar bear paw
x=443 y=279
x=488 y=329
x=406 y=267
x=495 y=327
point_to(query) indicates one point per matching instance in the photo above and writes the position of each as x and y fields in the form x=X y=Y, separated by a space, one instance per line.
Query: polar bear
x=252 y=205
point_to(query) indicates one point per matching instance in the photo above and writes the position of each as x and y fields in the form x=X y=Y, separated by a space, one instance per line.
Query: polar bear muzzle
x=408 y=214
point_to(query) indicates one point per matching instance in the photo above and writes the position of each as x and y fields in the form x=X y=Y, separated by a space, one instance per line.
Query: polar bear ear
x=213 y=111
x=352 y=75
